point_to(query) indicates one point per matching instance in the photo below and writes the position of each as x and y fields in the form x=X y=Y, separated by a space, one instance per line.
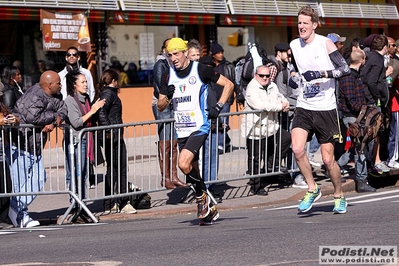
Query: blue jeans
x=210 y=161
x=80 y=169
x=314 y=145
x=29 y=176
x=223 y=137
x=393 y=145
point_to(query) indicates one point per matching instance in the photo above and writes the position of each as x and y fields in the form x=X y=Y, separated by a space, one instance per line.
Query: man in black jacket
x=376 y=89
x=227 y=69
x=42 y=107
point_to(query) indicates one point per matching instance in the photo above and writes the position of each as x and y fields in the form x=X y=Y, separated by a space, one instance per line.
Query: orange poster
x=62 y=30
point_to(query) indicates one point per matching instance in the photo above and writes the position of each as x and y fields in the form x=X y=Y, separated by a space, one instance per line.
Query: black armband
x=341 y=67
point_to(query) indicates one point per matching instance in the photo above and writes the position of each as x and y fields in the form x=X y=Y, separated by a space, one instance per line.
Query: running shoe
x=203 y=206
x=213 y=216
x=310 y=197
x=340 y=205
x=382 y=167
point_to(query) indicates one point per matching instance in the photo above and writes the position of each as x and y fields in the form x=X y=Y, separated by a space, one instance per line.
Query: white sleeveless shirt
x=318 y=94
x=190 y=103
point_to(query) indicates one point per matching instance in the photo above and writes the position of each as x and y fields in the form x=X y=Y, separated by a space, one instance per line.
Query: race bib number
x=311 y=90
x=185 y=119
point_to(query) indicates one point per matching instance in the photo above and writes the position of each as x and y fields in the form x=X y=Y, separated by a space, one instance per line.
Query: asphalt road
x=257 y=236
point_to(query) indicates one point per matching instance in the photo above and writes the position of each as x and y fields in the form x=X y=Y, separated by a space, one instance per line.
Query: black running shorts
x=193 y=143
x=322 y=123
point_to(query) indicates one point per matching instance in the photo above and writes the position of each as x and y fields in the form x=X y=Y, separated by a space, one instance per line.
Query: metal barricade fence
x=132 y=152
x=31 y=168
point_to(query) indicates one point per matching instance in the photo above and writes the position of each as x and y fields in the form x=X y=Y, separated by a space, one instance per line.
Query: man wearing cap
x=338 y=41
x=184 y=85
x=319 y=63
x=227 y=69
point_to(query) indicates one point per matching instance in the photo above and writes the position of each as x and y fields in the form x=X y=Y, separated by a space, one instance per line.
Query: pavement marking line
x=3 y=232
x=36 y=229
x=371 y=200
x=348 y=199
x=42 y=228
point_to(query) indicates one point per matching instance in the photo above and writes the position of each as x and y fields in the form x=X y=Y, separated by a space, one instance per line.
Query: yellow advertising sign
x=62 y=30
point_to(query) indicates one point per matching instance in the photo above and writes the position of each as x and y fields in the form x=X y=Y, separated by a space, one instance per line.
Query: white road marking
x=350 y=200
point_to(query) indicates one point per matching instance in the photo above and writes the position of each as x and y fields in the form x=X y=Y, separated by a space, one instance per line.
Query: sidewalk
x=235 y=195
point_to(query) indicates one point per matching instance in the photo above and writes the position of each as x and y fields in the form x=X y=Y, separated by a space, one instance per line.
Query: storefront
x=132 y=31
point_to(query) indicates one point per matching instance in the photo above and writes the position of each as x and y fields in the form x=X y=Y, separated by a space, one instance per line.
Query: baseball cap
x=282 y=46
x=336 y=38
x=176 y=45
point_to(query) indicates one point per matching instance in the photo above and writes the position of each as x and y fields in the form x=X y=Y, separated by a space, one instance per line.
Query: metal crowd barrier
x=143 y=169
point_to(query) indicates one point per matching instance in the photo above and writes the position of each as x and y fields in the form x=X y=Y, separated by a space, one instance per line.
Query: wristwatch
x=322 y=73
x=55 y=124
x=220 y=105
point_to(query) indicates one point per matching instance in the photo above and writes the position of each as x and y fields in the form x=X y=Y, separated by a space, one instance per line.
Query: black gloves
x=292 y=83
x=170 y=91
x=214 y=111
x=311 y=75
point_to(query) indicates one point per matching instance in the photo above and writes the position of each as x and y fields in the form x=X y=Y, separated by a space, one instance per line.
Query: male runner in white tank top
x=185 y=86
x=319 y=63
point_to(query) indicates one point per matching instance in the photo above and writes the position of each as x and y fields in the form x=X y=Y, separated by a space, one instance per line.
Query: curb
x=348 y=186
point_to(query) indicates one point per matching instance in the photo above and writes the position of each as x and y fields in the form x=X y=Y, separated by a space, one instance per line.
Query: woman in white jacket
x=259 y=127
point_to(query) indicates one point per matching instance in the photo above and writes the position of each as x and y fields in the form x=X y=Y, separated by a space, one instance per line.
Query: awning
x=246 y=20
x=357 y=10
x=325 y=9
x=12 y=13
x=354 y=23
x=54 y=4
x=160 y=18
x=9 y=13
x=271 y=8
x=186 y=6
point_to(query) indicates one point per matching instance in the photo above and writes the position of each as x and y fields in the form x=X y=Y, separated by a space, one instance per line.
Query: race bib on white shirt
x=184 y=119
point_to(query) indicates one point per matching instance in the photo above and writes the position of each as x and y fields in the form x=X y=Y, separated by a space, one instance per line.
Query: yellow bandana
x=176 y=45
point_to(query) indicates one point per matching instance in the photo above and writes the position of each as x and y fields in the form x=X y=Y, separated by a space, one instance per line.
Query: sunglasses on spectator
x=263 y=75
x=392 y=45
x=72 y=54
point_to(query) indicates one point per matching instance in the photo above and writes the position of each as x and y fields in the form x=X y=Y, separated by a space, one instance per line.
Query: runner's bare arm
x=228 y=88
